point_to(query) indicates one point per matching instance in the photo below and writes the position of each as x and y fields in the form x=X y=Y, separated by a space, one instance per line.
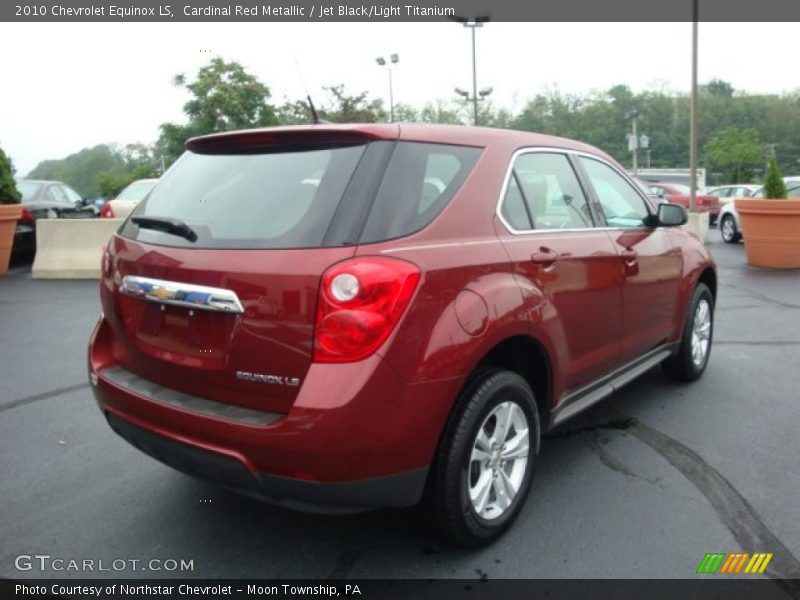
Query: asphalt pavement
x=641 y=486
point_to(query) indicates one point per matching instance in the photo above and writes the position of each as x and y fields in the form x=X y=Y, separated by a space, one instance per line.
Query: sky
x=68 y=86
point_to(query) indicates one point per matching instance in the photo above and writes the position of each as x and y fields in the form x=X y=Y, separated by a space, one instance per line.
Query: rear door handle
x=629 y=256
x=544 y=256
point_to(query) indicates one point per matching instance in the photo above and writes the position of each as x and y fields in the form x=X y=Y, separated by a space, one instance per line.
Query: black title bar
x=400 y=10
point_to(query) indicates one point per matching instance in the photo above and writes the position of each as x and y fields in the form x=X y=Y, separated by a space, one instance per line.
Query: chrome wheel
x=498 y=461
x=701 y=332
x=728 y=229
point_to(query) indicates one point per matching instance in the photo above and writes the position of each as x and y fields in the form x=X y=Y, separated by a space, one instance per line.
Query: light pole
x=693 y=115
x=473 y=24
x=633 y=140
x=474 y=98
x=393 y=60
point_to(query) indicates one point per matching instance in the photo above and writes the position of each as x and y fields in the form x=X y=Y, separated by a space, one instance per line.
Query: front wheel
x=485 y=463
x=728 y=230
x=691 y=358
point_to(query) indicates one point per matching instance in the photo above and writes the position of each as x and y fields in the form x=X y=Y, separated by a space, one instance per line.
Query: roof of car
x=419 y=132
x=41 y=181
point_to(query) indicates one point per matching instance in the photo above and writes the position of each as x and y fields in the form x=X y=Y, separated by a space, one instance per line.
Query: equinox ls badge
x=273 y=379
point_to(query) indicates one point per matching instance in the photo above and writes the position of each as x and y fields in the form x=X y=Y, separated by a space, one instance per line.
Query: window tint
x=514 y=210
x=72 y=195
x=546 y=185
x=622 y=206
x=283 y=199
x=29 y=190
x=419 y=182
x=56 y=194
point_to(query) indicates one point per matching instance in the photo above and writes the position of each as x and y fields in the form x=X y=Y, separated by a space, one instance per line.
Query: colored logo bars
x=741 y=562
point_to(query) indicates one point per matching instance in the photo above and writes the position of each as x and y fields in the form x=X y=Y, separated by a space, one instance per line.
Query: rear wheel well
x=709 y=277
x=526 y=357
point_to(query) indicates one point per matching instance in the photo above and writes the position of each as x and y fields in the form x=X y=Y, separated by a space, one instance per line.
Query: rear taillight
x=27 y=215
x=360 y=302
x=106 y=212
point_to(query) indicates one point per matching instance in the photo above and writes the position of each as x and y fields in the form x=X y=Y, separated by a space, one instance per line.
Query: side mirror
x=671 y=215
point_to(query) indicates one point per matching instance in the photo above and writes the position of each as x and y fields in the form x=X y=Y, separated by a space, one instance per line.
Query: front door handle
x=544 y=256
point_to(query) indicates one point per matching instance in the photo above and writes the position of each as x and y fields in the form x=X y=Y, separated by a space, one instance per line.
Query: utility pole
x=693 y=114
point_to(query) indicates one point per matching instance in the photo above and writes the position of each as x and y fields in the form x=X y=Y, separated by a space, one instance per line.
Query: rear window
x=290 y=198
x=28 y=189
x=272 y=200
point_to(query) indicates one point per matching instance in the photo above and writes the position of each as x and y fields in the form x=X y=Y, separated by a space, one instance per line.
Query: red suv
x=341 y=318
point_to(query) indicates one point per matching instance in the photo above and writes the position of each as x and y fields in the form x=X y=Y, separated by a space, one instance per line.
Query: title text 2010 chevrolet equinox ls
x=342 y=318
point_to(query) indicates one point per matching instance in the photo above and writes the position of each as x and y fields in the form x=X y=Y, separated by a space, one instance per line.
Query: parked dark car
x=44 y=200
x=303 y=315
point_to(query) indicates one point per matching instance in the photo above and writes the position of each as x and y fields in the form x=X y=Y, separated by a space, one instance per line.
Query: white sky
x=67 y=86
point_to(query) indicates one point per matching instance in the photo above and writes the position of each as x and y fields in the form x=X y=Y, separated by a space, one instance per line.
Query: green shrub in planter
x=774 y=187
x=9 y=194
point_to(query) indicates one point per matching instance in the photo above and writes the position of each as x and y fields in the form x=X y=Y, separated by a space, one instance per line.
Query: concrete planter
x=698 y=225
x=9 y=215
x=771 y=231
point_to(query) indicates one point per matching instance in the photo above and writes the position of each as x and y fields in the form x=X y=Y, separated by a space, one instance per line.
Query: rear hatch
x=211 y=286
x=227 y=312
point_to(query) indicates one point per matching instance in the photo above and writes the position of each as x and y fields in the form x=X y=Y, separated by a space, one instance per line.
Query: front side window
x=622 y=206
x=543 y=193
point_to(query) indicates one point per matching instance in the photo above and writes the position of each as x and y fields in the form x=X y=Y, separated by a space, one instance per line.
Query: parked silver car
x=730 y=226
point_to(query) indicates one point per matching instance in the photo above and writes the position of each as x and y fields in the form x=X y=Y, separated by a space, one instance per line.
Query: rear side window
x=419 y=182
x=543 y=193
x=283 y=199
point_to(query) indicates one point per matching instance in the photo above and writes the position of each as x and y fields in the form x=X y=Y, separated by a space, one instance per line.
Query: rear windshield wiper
x=167 y=225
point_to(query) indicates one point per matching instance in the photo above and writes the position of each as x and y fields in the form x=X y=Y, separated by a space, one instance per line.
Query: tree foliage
x=80 y=169
x=224 y=96
x=9 y=194
x=342 y=107
x=737 y=150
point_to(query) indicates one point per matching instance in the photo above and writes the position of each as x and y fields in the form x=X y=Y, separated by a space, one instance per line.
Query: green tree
x=345 y=108
x=736 y=149
x=9 y=194
x=80 y=169
x=111 y=184
x=223 y=97
x=297 y=112
x=773 y=183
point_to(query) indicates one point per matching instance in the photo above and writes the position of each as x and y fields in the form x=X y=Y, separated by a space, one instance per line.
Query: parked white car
x=121 y=206
x=730 y=226
x=726 y=193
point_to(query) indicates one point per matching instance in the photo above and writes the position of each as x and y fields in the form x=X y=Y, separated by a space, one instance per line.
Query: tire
x=689 y=362
x=728 y=230
x=458 y=472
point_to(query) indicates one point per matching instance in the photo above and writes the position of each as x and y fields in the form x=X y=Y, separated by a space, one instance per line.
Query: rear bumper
x=356 y=437
x=402 y=489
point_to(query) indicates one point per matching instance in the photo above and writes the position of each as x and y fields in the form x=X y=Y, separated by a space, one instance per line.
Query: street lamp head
x=471 y=21
x=381 y=61
x=461 y=92
x=395 y=58
x=485 y=92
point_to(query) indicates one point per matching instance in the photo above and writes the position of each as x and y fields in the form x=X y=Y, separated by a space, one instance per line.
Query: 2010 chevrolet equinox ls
x=342 y=318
